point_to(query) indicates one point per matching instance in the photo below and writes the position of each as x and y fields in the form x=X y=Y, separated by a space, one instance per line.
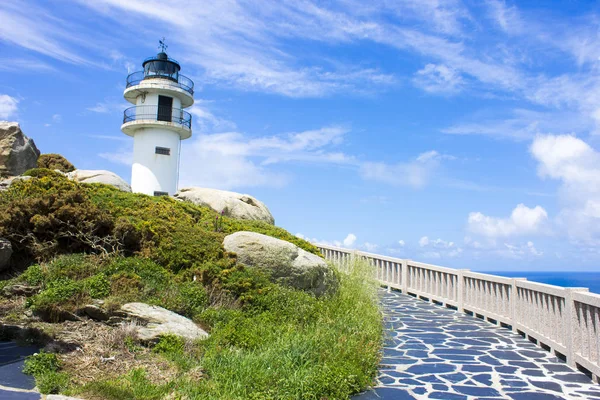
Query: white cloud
x=8 y=106
x=522 y=221
x=207 y=121
x=123 y=156
x=521 y=124
x=232 y=160
x=109 y=106
x=577 y=165
x=370 y=247
x=519 y=251
x=401 y=243
x=57 y=118
x=438 y=79
x=36 y=29
x=438 y=249
x=415 y=173
x=349 y=240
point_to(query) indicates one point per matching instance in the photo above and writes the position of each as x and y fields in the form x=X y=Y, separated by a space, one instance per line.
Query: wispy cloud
x=415 y=173
x=8 y=106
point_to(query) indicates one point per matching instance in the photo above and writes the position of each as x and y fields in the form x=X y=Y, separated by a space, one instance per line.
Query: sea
x=590 y=280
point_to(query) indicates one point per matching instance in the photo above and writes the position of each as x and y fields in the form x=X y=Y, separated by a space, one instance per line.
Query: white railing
x=565 y=321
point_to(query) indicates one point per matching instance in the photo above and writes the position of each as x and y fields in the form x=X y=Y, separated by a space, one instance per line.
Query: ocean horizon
x=590 y=280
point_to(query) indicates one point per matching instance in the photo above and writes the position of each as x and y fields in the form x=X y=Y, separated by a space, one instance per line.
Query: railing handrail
x=182 y=81
x=154 y=112
x=562 y=319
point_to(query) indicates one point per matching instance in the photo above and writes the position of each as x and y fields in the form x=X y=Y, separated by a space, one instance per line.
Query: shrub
x=98 y=286
x=58 y=293
x=191 y=299
x=169 y=344
x=40 y=363
x=54 y=161
x=34 y=275
x=48 y=216
x=52 y=382
x=42 y=172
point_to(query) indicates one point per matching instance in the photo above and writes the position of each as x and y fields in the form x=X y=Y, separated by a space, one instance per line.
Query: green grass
x=45 y=369
x=285 y=345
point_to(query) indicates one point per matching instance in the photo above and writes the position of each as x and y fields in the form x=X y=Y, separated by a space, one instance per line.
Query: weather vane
x=162 y=45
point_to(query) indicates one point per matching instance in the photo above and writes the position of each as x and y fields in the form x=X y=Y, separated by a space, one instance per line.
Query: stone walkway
x=432 y=352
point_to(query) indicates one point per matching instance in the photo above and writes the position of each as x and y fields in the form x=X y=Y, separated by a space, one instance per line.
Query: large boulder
x=99 y=176
x=155 y=321
x=234 y=205
x=5 y=253
x=18 y=153
x=285 y=262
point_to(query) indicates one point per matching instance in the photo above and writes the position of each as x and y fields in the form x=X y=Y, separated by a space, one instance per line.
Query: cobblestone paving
x=432 y=352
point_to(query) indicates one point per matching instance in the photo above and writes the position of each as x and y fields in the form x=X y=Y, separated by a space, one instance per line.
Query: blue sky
x=464 y=134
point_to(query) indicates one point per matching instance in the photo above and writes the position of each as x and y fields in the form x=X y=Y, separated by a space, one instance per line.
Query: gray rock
x=5 y=183
x=94 y=312
x=5 y=253
x=285 y=262
x=60 y=397
x=234 y=205
x=99 y=176
x=156 y=321
x=20 y=290
x=18 y=153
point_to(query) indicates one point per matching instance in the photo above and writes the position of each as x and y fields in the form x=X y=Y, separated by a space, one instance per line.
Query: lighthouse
x=157 y=122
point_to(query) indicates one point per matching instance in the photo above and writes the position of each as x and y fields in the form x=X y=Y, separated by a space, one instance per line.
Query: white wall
x=152 y=100
x=154 y=172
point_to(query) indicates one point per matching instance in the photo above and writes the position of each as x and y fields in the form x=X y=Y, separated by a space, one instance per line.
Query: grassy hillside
x=80 y=244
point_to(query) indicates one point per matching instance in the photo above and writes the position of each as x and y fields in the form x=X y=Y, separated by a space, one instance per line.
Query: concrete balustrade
x=565 y=321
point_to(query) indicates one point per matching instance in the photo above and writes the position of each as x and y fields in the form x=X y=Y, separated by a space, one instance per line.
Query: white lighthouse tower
x=157 y=123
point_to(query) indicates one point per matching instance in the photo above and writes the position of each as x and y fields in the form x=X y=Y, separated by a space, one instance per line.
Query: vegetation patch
x=54 y=161
x=80 y=244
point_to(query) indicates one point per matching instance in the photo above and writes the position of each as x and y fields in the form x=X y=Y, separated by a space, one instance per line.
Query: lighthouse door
x=165 y=107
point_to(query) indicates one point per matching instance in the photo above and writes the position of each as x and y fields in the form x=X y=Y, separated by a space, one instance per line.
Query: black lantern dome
x=161 y=66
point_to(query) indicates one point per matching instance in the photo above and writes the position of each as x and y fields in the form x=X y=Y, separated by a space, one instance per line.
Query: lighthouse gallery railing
x=563 y=320
x=181 y=82
x=158 y=113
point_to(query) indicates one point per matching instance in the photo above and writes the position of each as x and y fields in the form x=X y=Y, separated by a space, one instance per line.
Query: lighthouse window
x=163 y=150
x=156 y=193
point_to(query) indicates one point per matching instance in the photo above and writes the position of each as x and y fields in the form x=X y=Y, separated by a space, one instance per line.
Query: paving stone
x=533 y=372
x=507 y=355
x=558 y=367
x=385 y=393
x=431 y=368
x=577 y=377
x=534 y=396
x=547 y=385
x=506 y=370
x=476 y=391
x=447 y=396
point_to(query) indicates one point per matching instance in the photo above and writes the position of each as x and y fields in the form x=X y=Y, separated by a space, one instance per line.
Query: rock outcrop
x=285 y=262
x=155 y=321
x=234 y=205
x=18 y=153
x=99 y=176
x=5 y=253
x=5 y=183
